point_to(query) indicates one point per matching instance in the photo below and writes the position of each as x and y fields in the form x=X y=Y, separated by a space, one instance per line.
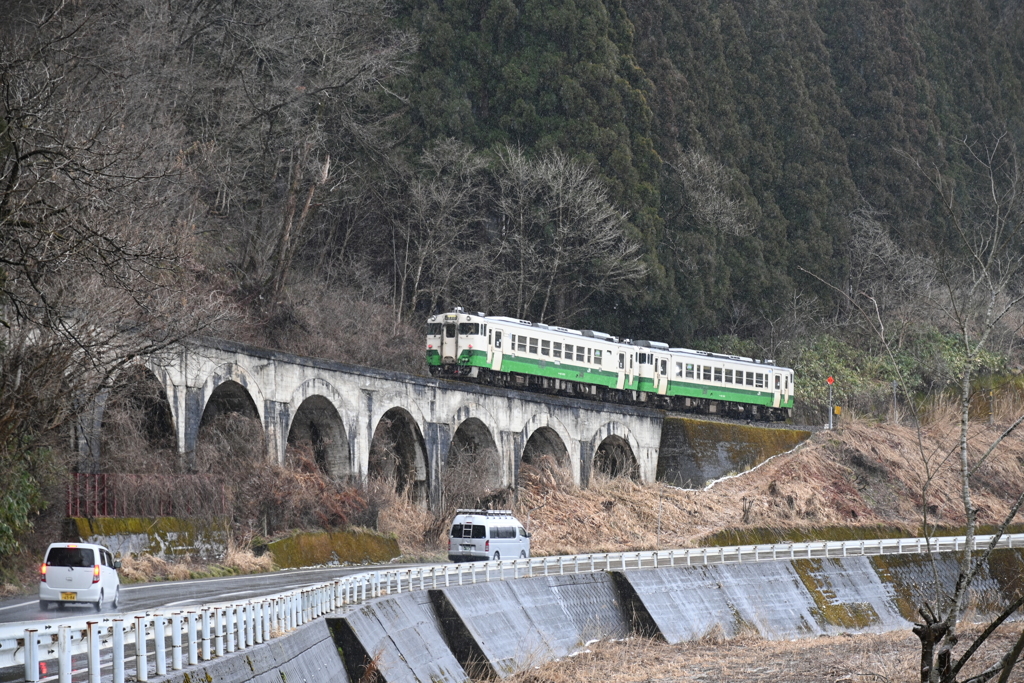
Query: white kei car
x=79 y=572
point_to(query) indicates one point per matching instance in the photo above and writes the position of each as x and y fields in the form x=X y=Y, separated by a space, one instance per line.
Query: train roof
x=603 y=336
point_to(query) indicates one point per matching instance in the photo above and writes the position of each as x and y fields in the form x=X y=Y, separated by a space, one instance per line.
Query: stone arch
x=615 y=451
x=544 y=435
x=233 y=415
x=236 y=374
x=474 y=471
x=136 y=423
x=398 y=451
x=317 y=415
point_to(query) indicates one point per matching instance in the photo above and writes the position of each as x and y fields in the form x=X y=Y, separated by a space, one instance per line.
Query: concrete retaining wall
x=306 y=656
x=495 y=629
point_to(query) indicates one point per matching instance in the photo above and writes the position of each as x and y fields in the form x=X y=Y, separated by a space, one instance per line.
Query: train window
x=545 y=347
x=557 y=351
x=597 y=356
x=759 y=380
x=664 y=367
x=689 y=370
x=579 y=354
x=449 y=330
x=728 y=375
x=787 y=383
x=707 y=373
x=679 y=369
x=522 y=344
x=718 y=374
x=533 y=345
x=433 y=329
x=497 y=339
x=778 y=382
x=469 y=328
x=622 y=361
x=750 y=379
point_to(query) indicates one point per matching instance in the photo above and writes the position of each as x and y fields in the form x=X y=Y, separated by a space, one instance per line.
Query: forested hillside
x=785 y=117
x=817 y=182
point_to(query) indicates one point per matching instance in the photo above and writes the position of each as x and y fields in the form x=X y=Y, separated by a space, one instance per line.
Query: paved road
x=174 y=595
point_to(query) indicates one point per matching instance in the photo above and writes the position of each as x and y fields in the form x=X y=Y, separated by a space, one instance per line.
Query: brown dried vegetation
x=866 y=658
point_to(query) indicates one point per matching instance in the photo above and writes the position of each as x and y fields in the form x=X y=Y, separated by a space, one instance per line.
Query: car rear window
x=71 y=557
x=478 y=531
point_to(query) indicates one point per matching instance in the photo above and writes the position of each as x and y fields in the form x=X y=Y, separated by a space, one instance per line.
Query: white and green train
x=517 y=353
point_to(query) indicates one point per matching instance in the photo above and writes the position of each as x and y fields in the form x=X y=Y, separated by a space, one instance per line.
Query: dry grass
x=245 y=561
x=144 y=567
x=867 y=658
x=865 y=473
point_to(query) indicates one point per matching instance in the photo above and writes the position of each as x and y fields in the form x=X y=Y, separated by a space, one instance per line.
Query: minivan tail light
x=95 y=573
x=487 y=544
x=42 y=573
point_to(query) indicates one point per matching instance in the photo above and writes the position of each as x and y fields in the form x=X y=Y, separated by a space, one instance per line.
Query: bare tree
x=433 y=243
x=561 y=239
x=274 y=97
x=95 y=242
x=972 y=286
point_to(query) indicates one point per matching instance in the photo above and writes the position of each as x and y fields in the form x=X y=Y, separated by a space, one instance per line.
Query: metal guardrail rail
x=205 y=632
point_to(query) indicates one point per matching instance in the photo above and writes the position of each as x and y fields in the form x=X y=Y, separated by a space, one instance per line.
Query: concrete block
x=399 y=637
x=505 y=626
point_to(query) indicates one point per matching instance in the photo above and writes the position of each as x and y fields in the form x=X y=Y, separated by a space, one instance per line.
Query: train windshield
x=469 y=328
x=433 y=329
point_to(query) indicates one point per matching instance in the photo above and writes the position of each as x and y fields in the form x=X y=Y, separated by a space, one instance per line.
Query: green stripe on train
x=575 y=373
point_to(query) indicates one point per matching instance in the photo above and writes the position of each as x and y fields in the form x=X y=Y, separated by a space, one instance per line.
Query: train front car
x=457 y=344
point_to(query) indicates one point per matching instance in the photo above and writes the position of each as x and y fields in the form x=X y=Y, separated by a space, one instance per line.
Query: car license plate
x=467 y=547
x=69 y=596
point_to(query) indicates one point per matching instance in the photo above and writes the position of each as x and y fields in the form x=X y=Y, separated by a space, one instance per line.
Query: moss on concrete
x=695 y=451
x=306 y=549
x=165 y=537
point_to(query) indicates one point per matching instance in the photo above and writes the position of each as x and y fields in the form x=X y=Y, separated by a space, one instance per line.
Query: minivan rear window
x=71 y=557
x=477 y=531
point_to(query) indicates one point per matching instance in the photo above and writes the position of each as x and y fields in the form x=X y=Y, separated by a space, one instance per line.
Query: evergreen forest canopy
x=319 y=175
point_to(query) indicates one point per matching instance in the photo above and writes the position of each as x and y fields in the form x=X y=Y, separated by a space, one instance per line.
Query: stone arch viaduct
x=344 y=408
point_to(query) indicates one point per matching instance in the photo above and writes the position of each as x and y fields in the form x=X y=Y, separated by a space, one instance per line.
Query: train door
x=661 y=374
x=620 y=369
x=450 y=339
x=777 y=389
x=498 y=349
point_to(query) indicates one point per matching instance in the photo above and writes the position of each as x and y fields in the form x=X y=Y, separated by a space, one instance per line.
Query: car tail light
x=95 y=573
x=487 y=545
x=449 y=544
x=42 y=573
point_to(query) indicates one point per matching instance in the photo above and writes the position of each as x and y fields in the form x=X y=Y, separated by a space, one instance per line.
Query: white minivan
x=487 y=535
x=79 y=572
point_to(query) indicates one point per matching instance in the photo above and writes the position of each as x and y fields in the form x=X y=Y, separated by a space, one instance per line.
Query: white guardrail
x=204 y=632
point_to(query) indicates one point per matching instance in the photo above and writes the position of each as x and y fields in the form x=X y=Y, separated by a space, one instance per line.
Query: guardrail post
x=219 y=626
x=206 y=634
x=176 y=641
x=160 y=644
x=250 y=616
x=64 y=654
x=93 y=635
x=268 y=609
x=116 y=655
x=229 y=628
x=31 y=656
x=193 y=654
x=256 y=620
x=245 y=627
x=141 y=663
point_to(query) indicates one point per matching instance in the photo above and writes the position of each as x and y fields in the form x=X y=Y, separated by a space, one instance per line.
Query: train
x=520 y=354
